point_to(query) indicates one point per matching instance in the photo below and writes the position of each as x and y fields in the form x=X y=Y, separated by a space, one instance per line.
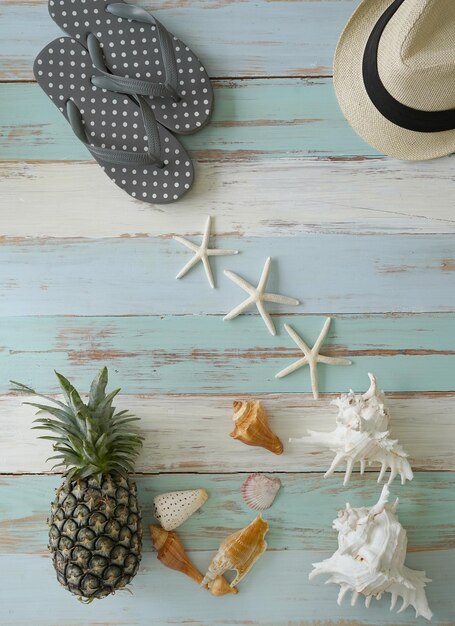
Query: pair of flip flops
x=125 y=85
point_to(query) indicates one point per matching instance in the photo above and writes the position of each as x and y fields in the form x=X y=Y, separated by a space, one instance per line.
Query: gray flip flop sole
x=113 y=122
x=133 y=49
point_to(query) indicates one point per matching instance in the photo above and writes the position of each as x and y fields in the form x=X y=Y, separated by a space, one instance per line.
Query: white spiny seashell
x=259 y=491
x=173 y=508
x=370 y=558
x=362 y=436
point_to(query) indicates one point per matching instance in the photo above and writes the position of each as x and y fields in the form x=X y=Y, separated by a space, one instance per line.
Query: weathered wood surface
x=245 y=197
x=282 y=172
x=173 y=354
x=300 y=518
x=276 y=591
x=253 y=119
x=233 y=37
x=191 y=433
x=136 y=276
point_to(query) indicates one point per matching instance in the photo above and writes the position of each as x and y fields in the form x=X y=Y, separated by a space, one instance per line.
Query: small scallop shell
x=259 y=491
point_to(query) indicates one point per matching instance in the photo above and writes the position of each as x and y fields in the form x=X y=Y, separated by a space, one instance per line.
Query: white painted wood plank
x=285 y=197
x=191 y=433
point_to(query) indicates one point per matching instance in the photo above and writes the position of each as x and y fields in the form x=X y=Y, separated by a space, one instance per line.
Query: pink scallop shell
x=259 y=491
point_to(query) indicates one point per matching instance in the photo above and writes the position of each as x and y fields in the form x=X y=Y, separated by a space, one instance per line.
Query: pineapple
x=95 y=531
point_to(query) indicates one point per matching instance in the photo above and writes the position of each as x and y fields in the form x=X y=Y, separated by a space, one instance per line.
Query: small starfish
x=258 y=296
x=312 y=356
x=202 y=253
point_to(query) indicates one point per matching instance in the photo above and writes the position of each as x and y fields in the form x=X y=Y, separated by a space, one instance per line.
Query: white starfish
x=258 y=296
x=202 y=253
x=312 y=356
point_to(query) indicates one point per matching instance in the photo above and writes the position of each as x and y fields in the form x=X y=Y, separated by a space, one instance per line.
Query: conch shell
x=172 y=554
x=220 y=587
x=370 y=558
x=251 y=426
x=362 y=436
x=239 y=552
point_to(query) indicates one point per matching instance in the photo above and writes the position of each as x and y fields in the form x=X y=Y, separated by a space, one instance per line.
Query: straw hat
x=394 y=76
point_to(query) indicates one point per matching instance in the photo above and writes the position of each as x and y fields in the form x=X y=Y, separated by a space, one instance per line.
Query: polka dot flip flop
x=121 y=132
x=137 y=55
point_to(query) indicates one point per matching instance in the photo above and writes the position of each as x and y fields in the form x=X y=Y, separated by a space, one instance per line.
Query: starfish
x=312 y=356
x=258 y=296
x=202 y=253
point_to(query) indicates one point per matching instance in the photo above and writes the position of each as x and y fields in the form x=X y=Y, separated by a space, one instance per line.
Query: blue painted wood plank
x=300 y=518
x=160 y=354
x=233 y=37
x=253 y=119
x=130 y=276
x=275 y=593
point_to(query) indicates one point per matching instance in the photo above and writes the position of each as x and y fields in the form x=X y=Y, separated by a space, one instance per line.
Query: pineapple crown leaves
x=90 y=439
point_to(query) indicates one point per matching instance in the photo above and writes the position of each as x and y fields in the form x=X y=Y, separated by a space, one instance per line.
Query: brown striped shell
x=252 y=427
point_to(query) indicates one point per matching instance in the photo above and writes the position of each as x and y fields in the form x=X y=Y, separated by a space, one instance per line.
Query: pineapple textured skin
x=95 y=535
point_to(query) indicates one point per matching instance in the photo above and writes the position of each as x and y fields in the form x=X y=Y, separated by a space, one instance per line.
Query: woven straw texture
x=405 y=36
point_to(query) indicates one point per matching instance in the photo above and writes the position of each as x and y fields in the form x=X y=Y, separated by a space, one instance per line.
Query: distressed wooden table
x=86 y=279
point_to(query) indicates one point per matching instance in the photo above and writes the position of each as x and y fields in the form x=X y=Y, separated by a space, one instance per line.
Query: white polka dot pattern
x=132 y=49
x=173 y=508
x=63 y=70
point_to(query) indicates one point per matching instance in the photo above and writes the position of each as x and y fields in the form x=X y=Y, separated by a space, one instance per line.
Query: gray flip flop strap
x=120 y=157
x=133 y=85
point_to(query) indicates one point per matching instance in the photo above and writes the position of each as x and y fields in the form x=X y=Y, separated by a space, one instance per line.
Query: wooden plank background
x=87 y=278
x=234 y=37
x=336 y=196
x=37 y=273
x=204 y=446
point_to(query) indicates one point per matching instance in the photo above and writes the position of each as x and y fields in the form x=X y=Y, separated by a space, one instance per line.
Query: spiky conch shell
x=362 y=436
x=239 y=552
x=173 y=508
x=252 y=427
x=172 y=554
x=259 y=491
x=370 y=558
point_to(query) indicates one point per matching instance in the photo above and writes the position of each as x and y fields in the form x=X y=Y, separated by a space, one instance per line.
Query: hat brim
x=356 y=105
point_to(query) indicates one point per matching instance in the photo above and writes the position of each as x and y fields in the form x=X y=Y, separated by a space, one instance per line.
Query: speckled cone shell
x=239 y=552
x=172 y=554
x=251 y=426
x=175 y=507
